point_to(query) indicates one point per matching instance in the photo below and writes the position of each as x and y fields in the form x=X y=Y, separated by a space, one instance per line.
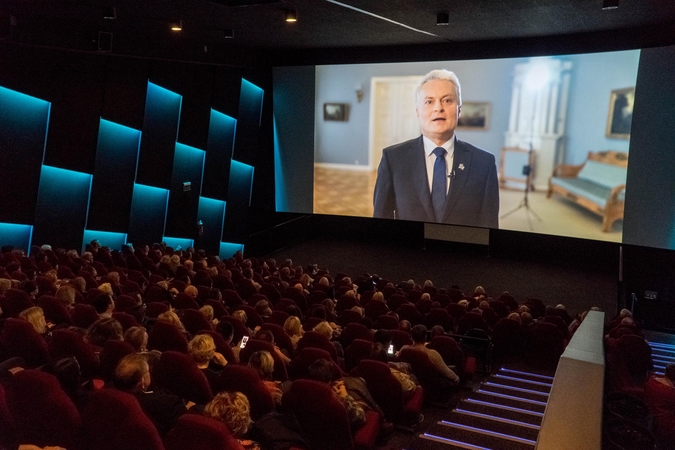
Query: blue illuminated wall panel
x=148 y=214
x=24 y=121
x=248 y=121
x=160 y=131
x=222 y=129
x=107 y=239
x=177 y=243
x=114 y=175
x=18 y=235
x=241 y=185
x=188 y=167
x=228 y=249
x=212 y=214
x=62 y=206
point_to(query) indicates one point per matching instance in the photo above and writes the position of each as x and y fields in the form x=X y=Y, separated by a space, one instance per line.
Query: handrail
x=573 y=416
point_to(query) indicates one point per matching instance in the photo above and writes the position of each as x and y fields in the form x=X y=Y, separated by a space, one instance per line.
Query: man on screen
x=436 y=177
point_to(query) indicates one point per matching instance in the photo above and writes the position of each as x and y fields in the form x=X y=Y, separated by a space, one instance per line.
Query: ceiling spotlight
x=109 y=13
x=228 y=33
x=610 y=4
x=176 y=25
x=291 y=15
x=443 y=18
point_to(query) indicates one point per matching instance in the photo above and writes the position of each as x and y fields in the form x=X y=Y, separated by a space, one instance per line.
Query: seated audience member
x=138 y=338
x=327 y=330
x=226 y=329
x=419 y=337
x=267 y=336
x=660 y=396
x=263 y=308
x=437 y=330
x=202 y=350
x=207 y=312
x=404 y=325
x=36 y=317
x=241 y=316
x=352 y=392
x=104 y=330
x=263 y=363
x=67 y=371
x=66 y=293
x=172 y=318
x=234 y=410
x=132 y=375
x=526 y=320
x=293 y=327
x=400 y=370
x=104 y=304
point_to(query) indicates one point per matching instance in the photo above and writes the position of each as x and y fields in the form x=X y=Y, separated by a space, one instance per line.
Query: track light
x=109 y=13
x=176 y=25
x=610 y=4
x=291 y=15
x=443 y=18
x=228 y=33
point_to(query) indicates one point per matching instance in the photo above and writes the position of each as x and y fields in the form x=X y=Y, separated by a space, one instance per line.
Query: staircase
x=504 y=413
x=662 y=355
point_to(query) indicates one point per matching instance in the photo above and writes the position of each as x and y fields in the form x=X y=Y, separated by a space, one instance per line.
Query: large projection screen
x=560 y=107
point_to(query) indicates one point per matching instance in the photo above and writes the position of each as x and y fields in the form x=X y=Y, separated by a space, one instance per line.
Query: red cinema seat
x=19 y=338
x=194 y=321
x=179 y=374
x=196 y=432
x=66 y=343
x=318 y=340
x=355 y=331
x=358 y=350
x=164 y=336
x=256 y=345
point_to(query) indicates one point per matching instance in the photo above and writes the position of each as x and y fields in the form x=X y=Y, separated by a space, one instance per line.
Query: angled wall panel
x=178 y=243
x=239 y=201
x=222 y=129
x=228 y=249
x=188 y=167
x=107 y=239
x=248 y=121
x=18 y=235
x=114 y=175
x=62 y=206
x=24 y=122
x=212 y=214
x=148 y=214
x=160 y=130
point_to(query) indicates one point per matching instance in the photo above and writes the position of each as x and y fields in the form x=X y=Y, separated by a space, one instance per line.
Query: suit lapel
x=461 y=166
x=419 y=175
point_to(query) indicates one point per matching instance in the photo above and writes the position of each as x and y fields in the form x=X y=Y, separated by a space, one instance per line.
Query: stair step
x=480 y=437
x=534 y=376
x=514 y=391
x=495 y=424
x=501 y=399
x=426 y=441
x=500 y=411
x=523 y=384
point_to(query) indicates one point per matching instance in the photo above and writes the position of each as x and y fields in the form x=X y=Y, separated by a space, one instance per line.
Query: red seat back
x=179 y=374
x=164 y=336
x=255 y=345
x=19 y=338
x=196 y=432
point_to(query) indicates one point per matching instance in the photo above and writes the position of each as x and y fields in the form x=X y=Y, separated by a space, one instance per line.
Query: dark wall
x=122 y=121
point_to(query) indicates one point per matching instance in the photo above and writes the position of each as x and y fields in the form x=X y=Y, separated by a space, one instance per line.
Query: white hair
x=440 y=74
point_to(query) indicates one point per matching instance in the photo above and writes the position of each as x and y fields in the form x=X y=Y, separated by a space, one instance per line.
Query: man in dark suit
x=436 y=177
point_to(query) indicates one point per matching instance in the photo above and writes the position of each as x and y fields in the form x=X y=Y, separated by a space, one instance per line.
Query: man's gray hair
x=439 y=74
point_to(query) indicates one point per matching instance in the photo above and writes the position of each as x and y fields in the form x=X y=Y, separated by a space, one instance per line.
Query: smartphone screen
x=391 y=349
x=244 y=340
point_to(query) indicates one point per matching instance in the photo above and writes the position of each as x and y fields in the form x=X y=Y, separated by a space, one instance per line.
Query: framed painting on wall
x=620 y=113
x=474 y=116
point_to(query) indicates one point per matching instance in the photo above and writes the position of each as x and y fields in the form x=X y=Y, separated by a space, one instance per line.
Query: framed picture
x=620 y=113
x=474 y=116
x=335 y=111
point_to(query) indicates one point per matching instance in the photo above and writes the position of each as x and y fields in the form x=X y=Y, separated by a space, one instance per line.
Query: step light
x=546 y=377
x=508 y=408
x=529 y=391
x=511 y=397
x=538 y=383
x=487 y=432
x=497 y=418
x=445 y=440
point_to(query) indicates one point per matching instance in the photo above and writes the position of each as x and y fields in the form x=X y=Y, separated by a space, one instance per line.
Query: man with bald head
x=437 y=177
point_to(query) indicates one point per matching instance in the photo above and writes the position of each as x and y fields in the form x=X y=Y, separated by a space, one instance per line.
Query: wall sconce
x=359 y=92
x=176 y=25
x=291 y=15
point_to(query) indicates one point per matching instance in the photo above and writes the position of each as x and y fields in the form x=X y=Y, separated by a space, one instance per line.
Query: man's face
x=438 y=110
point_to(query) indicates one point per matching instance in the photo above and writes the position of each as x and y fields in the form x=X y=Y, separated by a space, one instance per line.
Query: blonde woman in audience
x=106 y=288
x=138 y=338
x=208 y=313
x=172 y=318
x=5 y=284
x=327 y=330
x=192 y=291
x=202 y=350
x=234 y=410
x=293 y=328
x=36 y=317
x=66 y=293
x=263 y=363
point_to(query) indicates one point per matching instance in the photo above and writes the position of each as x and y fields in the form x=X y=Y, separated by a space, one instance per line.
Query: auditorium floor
x=350 y=193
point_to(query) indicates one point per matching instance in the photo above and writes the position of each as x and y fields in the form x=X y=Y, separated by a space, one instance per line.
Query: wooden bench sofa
x=598 y=184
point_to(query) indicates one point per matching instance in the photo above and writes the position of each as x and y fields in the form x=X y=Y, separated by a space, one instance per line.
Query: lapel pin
x=461 y=167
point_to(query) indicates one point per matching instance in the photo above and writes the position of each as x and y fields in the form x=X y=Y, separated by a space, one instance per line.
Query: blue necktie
x=438 y=184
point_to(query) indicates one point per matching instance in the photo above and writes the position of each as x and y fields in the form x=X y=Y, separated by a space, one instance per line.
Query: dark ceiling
x=141 y=27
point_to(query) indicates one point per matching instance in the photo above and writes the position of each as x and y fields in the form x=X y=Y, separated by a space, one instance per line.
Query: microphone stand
x=527 y=171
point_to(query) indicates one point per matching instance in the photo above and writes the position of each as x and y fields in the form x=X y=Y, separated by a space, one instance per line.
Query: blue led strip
x=546 y=377
x=487 y=432
x=496 y=418
x=530 y=391
x=660 y=346
x=538 y=383
x=511 y=397
x=509 y=408
x=433 y=437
